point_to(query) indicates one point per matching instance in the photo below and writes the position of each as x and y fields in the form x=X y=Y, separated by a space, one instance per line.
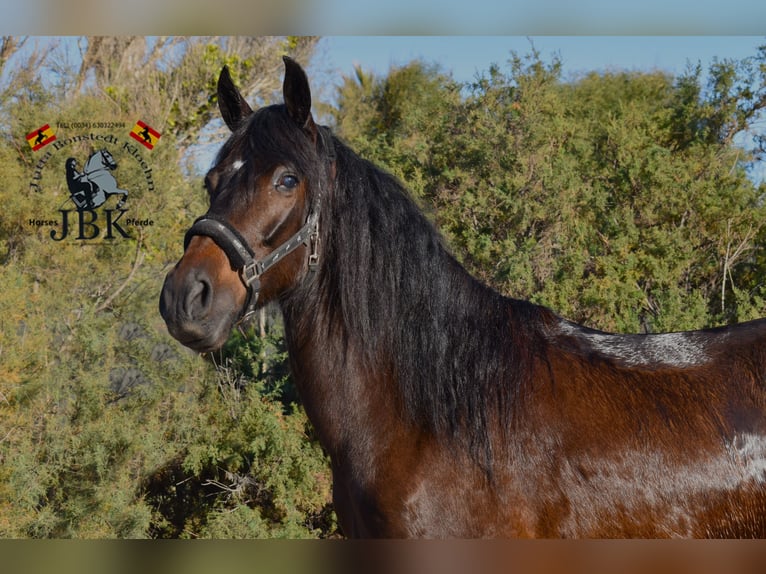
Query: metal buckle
x=247 y=316
x=314 y=249
x=250 y=273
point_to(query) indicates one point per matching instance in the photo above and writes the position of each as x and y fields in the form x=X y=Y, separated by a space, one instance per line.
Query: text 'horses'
x=446 y=408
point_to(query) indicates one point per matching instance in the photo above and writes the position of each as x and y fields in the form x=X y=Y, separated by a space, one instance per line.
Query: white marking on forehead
x=237 y=165
x=671 y=349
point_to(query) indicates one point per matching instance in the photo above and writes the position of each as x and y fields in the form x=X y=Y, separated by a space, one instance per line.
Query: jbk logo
x=91 y=175
x=89 y=189
x=87 y=225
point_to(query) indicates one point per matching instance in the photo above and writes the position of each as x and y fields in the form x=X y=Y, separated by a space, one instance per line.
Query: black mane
x=388 y=282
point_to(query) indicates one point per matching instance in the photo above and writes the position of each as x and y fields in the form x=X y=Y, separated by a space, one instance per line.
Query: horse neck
x=92 y=165
x=392 y=328
x=352 y=408
x=339 y=343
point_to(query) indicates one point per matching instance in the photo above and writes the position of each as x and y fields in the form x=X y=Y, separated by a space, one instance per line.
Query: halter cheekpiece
x=239 y=252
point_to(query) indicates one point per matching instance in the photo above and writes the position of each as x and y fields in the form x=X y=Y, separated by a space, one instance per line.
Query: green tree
x=619 y=199
x=392 y=120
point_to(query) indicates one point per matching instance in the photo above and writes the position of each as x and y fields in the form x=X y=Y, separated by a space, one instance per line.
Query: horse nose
x=187 y=298
x=199 y=296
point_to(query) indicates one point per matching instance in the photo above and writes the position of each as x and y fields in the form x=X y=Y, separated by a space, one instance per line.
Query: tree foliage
x=619 y=199
x=108 y=427
x=623 y=200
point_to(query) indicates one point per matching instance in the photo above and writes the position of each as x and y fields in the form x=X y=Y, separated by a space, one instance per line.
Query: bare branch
x=731 y=257
x=137 y=261
x=9 y=45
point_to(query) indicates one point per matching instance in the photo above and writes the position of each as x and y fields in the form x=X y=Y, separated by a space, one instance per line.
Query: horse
x=446 y=408
x=90 y=188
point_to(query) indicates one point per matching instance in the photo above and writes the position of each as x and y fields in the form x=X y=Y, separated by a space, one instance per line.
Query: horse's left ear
x=297 y=93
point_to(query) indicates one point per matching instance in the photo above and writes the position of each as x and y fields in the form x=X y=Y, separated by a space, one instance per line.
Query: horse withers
x=447 y=409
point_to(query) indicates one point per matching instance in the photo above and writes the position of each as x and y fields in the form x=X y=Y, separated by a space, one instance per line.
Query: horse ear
x=233 y=106
x=297 y=94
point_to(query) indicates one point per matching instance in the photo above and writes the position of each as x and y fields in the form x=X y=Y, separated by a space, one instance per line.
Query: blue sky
x=464 y=56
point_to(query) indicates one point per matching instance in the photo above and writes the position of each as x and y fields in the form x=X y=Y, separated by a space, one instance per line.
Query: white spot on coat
x=685 y=349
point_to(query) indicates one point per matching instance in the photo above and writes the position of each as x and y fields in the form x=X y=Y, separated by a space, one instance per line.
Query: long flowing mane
x=459 y=351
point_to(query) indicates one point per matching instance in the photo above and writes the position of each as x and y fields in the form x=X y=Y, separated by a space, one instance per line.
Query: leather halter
x=242 y=257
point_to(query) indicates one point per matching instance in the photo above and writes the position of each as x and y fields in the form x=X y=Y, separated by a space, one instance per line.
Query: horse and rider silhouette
x=89 y=189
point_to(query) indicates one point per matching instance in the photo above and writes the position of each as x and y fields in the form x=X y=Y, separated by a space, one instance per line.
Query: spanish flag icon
x=145 y=135
x=40 y=137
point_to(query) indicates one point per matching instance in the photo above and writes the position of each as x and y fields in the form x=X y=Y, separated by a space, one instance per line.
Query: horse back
x=647 y=435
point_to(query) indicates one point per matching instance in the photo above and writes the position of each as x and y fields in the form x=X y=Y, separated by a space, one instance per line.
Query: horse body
x=98 y=170
x=447 y=409
x=609 y=435
x=656 y=442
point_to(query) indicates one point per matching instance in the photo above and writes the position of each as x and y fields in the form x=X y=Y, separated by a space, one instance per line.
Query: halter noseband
x=242 y=257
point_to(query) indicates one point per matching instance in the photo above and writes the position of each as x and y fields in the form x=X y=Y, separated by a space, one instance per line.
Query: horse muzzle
x=197 y=313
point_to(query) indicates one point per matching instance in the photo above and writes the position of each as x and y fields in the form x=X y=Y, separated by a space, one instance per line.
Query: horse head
x=107 y=160
x=255 y=242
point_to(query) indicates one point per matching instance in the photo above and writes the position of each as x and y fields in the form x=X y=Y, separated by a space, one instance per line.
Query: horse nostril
x=199 y=297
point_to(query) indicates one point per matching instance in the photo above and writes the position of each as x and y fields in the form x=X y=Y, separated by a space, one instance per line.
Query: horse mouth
x=198 y=338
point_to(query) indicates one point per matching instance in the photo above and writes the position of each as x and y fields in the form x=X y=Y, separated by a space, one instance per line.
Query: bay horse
x=446 y=408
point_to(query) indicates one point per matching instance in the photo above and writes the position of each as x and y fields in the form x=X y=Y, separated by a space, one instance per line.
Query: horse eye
x=287 y=182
